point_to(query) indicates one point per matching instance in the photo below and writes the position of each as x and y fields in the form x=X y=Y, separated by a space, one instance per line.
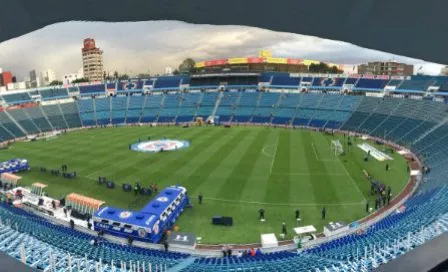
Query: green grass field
x=238 y=171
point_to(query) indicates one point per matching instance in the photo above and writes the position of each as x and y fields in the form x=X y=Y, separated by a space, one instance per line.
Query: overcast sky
x=154 y=45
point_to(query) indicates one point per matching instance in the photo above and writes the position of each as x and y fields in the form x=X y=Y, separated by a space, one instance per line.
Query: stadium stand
x=420 y=124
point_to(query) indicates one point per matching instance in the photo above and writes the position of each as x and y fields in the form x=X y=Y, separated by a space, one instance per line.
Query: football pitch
x=238 y=170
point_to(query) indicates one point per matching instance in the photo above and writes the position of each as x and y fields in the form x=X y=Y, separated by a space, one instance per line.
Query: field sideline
x=238 y=171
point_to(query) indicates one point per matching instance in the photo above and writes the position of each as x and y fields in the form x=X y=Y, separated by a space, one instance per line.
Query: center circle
x=160 y=145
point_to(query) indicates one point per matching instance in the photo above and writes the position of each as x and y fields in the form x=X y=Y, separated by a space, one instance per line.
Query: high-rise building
x=390 y=68
x=34 y=81
x=6 y=78
x=92 y=60
x=47 y=76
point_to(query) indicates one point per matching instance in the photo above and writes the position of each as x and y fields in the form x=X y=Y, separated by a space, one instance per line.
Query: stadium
x=310 y=172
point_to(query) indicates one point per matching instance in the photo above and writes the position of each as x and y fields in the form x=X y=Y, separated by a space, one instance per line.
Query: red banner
x=294 y=61
x=215 y=62
x=255 y=60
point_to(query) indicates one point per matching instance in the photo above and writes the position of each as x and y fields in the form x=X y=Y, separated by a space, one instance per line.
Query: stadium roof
x=405 y=27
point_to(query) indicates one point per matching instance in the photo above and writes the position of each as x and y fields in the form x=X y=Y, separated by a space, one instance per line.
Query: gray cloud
x=152 y=46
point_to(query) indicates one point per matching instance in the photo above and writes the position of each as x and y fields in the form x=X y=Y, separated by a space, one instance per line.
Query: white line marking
x=348 y=174
x=264 y=151
x=275 y=154
x=283 y=204
x=315 y=153
x=309 y=174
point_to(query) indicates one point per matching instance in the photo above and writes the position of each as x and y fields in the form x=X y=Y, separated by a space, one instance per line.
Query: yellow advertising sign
x=200 y=64
x=309 y=62
x=237 y=60
x=277 y=60
x=265 y=54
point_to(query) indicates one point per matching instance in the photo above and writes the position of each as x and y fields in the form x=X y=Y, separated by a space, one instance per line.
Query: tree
x=115 y=74
x=80 y=80
x=55 y=83
x=176 y=72
x=123 y=77
x=143 y=75
x=187 y=66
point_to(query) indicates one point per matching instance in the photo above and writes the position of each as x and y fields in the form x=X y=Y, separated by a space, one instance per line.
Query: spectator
x=224 y=251
x=252 y=252
x=165 y=246
x=239 y=254
x=258 y=252
x=229 y=251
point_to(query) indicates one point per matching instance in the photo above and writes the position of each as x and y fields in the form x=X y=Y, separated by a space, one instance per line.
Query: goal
x=337 y=148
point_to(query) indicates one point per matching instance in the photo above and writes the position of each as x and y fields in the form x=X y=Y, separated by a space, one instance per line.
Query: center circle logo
x=160 y=145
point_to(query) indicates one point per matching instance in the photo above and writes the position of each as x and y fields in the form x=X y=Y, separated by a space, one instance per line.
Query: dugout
x=147 y=224
x=8 y=178
x=82 y=204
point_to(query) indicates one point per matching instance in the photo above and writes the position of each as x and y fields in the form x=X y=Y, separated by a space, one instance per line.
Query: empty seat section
x=17 y=98
x=54 y=93
x=39 y=118
x=227 y=105
x=87 y=111
x=119 y=106
x=93 y=89
x=135 y=108
x=266 y=107
x=24 y=120
x=151 y=108
x=168 y=83
x=207 y=104
x=71 y=114
x=246 y=106
x=6 y=122
x=54 y=115
x=414 y=85
x=375 y=84
x=189 y=106
x=285 y=80
x=307 y=107
x=102 y=110
x=168 y=112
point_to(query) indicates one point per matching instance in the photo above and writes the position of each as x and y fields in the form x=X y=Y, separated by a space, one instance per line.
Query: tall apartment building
x=92 y=60
x=47 y=76
x=390 y=68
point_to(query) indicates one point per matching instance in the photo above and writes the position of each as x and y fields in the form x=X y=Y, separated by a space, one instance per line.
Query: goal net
x=337 y=148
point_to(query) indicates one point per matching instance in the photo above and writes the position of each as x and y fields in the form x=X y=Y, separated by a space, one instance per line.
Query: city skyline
x=143 y=47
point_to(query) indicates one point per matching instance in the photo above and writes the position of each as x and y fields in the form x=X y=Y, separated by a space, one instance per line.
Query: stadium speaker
x=110 y=184
x=146 y=191
x=227 y=221
x=227 y=126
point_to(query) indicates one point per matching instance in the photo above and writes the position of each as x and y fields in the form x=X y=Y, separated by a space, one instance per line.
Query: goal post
x=337 y=147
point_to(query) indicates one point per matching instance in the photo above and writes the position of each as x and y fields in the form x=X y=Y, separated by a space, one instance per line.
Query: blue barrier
x=147 y=224
x=14 y=166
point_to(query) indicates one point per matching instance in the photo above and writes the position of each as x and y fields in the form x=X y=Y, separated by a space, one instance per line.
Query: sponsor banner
x=382 y=77
x=294 y=61
x=255 y=60
x=309 y=62
x=265 y=54
x=237 y=60
x=277 y=60
x=182 y=239
x=215 y=62
x=200 y=64
x=397 y=77
x=375 y=94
